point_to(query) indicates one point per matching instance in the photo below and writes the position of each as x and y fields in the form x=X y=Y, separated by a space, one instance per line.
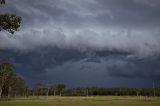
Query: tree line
x=12 y=85
x=95 y=91
x=60 y=90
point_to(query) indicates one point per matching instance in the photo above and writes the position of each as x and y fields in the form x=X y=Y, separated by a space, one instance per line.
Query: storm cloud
x=103 y=39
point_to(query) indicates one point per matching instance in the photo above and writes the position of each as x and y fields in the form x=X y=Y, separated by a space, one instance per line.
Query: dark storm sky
x=109 y=43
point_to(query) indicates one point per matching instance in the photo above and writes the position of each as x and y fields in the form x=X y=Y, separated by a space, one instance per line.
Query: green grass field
x=83 y=101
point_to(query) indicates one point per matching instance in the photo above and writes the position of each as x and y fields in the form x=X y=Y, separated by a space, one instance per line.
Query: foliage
x=9 y=22
x=95 y=91
x=60 y=87
x=2 y=1
x=10 y=83
x=38 y=90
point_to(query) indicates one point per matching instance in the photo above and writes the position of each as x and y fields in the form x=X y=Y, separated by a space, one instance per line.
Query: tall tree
x=5 y=71
x=38 y=90
x=14 y=83
x=53 y=89
x=60 y=88
x=9 y=81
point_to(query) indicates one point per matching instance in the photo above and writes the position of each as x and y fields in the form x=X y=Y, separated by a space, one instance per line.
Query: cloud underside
x=104 y=39
x=87 y=24
x=87 y=68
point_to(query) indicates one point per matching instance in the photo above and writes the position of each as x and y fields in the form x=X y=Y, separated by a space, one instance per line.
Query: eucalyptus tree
x=53 y=89
x=14 y=84
x=10 y=82
x=60 y=88
x=5 y=72
x=38 y=90
x=9 y=22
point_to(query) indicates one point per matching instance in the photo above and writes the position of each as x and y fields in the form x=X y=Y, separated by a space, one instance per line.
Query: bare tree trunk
x=33 y=94
x=154 y=91
x=9 y=91
x=54 y=92
x=137 y=94
x=26 y=93
x=87 y=92
x=3 y=80
x=41 y=94
x=0 y=92
x=48 y=91
x=15 y=94
x=60 y=93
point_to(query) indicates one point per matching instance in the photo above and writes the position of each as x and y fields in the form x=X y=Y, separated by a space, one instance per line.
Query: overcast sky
x=109 y=43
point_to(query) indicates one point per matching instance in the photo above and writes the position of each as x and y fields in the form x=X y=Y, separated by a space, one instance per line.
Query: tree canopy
x=2 y=1
x=9 y=22
x=9 y=81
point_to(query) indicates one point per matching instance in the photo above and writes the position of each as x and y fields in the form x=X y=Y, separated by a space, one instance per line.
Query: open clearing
x=84 y=101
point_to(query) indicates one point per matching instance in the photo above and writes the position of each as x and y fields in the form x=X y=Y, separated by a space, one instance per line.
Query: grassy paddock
x=84 y=101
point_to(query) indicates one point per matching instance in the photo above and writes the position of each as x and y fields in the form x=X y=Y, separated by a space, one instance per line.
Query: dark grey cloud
x=85 y=42
x=137 y=13
x=142 y=13
x=112 y=69
x=129 y=26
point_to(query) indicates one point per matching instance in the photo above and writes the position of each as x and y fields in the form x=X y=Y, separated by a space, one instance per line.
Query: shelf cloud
x=119 y=37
